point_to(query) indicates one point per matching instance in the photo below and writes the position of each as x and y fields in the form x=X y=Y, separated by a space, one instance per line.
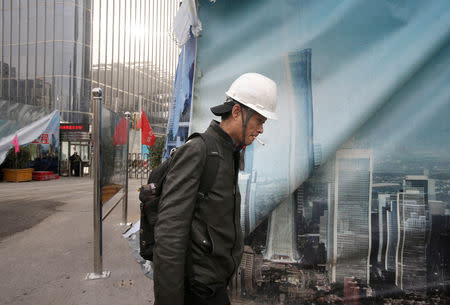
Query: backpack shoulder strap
x=212 y=163
x=206 y=181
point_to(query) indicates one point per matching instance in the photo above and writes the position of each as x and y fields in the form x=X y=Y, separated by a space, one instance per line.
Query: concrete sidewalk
x=47 y=263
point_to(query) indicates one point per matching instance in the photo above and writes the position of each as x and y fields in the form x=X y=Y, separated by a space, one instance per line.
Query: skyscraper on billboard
x=282 y=219
x=281 y=237
x=383 y=203
x=392 y=234
x=413 y=220
x=351 y=225
x=244 y=181
x=247 y=186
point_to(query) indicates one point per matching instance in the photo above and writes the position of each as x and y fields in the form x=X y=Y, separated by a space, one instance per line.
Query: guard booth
x=74 y=137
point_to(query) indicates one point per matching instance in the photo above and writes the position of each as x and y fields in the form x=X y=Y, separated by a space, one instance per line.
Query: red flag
x=148 y=137
x=15 y=142
x=139 y=122
x=120 y=134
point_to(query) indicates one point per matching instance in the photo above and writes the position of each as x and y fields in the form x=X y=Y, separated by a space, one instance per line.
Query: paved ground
x=46 y=233
x=17 y=216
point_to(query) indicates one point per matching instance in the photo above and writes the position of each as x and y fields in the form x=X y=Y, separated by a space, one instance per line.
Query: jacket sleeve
x=173 y=224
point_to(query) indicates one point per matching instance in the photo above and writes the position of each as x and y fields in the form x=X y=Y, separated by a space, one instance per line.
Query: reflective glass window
x=65 y=91
x=78 y=85
x=23 y=20
x=78 y=23
x=87 y=62
x=49 y=20
x=38 y=86
x=23 y=61
x=68 y=63
x=110 y=47
x=5 y=87
x=132 y=102
x=109 y=94
x=120 y=101
x=49 y=59
x=59 y=21
x=40 y=21
x=142 y=82
x=78 y=60
x=13 y=88
x=29 y=89
x=1 y=39
x=40 y=59
x=69 y=21
x=86 y=26
x=96 y=33
x=115 y=30
x=133 y=38
x=31 y=60
x=14 y=61
x=32 y=22
x=115 y=75
x=58 y=58
x=86 y=88
x=86 y=3
x=126 y=77
x=6 y=61
x=6 y=4
x=15 y=26
x=122 y=42
x=6 y=26
x=49 y=88
x=103 y=29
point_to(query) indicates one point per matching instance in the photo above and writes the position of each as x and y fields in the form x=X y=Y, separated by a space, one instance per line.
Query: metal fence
x=139 y=165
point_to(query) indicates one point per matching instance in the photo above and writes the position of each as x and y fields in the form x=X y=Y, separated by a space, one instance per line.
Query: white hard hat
x=254 y=91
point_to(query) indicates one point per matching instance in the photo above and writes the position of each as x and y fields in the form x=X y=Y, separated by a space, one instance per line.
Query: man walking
x=199 y=241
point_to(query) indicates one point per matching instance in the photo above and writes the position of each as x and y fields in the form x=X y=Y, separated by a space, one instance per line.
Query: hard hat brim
x=265 y=113
x=222 y=109
x=228 y=106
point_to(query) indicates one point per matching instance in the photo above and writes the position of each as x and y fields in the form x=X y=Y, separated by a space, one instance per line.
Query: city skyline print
x=349 y=200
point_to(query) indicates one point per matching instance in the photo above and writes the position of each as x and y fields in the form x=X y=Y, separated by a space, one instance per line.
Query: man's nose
x=261 y=129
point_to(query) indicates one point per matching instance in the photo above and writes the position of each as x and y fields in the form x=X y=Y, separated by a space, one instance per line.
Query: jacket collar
x=222 y=135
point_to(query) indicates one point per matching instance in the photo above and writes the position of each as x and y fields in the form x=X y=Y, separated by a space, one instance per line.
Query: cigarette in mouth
x=260 y=142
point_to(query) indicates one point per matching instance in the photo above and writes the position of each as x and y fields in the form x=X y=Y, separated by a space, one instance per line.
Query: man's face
x=254 y=127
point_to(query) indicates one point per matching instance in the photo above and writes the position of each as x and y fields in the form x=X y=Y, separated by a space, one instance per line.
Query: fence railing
x=139 y=165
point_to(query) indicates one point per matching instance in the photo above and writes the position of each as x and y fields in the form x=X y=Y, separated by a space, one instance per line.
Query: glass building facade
x=411 y=274
x=45 y=54
x=351 y=231
x=53 y=52
x=134 y=56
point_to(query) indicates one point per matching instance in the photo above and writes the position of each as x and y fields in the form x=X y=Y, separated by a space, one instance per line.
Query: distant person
x=75 y=164
x=54 y=163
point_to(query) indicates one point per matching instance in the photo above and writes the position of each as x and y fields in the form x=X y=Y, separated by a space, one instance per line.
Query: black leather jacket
x=209 y=228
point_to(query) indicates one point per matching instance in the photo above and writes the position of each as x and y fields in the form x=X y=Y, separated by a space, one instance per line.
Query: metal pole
x=125 y=196
x=98 y=253
x=140 y=144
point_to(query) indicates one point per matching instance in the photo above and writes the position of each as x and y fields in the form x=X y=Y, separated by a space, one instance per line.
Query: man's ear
x=236 y=111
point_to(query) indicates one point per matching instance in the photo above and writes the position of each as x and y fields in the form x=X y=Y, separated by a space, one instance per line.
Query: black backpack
x=150 y=194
